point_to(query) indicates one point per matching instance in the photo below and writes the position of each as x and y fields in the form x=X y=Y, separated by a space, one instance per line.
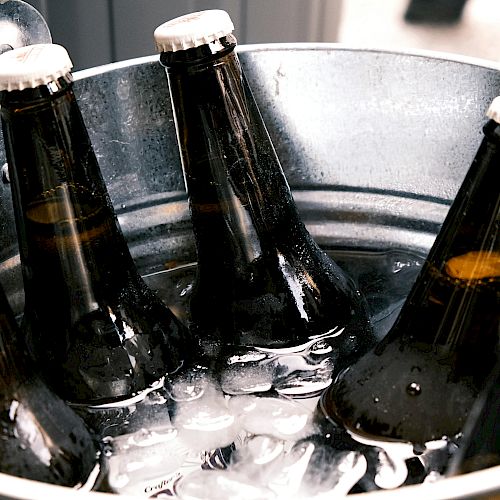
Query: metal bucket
x=374 y=144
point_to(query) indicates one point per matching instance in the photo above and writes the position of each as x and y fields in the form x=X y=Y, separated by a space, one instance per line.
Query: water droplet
x=376 y=399
x=413 y=389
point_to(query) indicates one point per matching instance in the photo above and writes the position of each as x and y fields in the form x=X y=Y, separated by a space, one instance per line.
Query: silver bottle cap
x=33 y=65
x=193 y=30
x=494 y=110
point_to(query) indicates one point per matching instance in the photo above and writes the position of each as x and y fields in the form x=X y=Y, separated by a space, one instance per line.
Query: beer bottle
x=479 y=446
x=41 y=438
x=261 y=278
x=99 y=334
x=420 y=381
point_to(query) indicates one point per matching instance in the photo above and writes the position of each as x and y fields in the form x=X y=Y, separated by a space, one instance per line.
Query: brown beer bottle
x=98 y=332
x=41 y=438
x=419 y=383
x=261 y=278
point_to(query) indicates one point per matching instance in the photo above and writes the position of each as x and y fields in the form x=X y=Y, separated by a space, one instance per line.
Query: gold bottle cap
x=193 y=30
x=33 y=65
x=494 y=110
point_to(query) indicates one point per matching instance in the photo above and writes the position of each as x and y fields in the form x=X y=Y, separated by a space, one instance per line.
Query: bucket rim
x=306 y=46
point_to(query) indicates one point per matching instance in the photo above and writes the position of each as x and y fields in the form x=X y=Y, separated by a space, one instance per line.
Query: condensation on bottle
x=262 y=281
x=97 y=332
x=419 y=383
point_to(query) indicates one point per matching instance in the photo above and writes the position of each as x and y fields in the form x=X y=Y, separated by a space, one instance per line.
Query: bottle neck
x=31 y=97
x=204 y=54
x=224 y=143
x=492 y=131
x=48 y=149
x=63 y=212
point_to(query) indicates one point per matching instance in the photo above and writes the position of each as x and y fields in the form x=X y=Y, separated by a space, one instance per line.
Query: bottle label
x=54 y=222
x=474 y=265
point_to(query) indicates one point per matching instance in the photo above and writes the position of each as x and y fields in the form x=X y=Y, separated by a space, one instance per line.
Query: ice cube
x=217 y=485
x=273 y=416
x=206 y=423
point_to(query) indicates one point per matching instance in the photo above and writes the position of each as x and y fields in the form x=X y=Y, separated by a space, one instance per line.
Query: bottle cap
x=494 y=110
x=33 y=65
x=193 y=30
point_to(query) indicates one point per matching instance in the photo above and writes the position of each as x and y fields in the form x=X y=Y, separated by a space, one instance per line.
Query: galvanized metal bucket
x=374 y=144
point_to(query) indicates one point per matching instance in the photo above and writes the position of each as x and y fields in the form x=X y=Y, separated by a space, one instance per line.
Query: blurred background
x=101 y=31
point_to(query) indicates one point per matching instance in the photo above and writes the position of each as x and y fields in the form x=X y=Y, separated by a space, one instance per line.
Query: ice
x=268 y=468
x=260 y=450
x=301 y=370
x=395 y=464
x=216 y=485
x=298 y=375
x=206 y=423
x=137 y=468
x=248 y=372
x=250 y=430
x=189 y=385
x=273 y=416
x=391 y=472
x=435 y=458
x=313 y=468
x=258 y=458
x=254 y=446
x=146 y=451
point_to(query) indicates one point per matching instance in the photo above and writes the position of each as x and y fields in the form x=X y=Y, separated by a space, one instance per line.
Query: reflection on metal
x=21 y=24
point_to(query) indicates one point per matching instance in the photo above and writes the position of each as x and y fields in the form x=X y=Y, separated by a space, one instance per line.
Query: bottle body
x=262 y=280
x=419 y=382
x=41 y=438
x=98 y=332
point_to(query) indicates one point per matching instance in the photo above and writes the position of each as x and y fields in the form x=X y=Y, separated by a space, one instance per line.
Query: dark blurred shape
x=434 y=11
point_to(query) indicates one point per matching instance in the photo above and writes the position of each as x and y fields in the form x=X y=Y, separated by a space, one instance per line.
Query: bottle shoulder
x=396 y=393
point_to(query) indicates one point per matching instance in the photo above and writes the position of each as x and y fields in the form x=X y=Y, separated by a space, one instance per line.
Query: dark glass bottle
x=419 y=382
x=479 y=446
x=41 y=438
x=98 y=332
x=261 y=278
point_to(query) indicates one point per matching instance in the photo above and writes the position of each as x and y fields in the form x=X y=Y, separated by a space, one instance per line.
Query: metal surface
x=21 y=24
x=375 y=145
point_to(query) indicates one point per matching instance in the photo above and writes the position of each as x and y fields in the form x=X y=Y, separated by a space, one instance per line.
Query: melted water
x=384 y=277
x=252 y=433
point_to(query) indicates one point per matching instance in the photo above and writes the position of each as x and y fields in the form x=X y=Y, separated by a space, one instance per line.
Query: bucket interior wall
x=374 y=144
